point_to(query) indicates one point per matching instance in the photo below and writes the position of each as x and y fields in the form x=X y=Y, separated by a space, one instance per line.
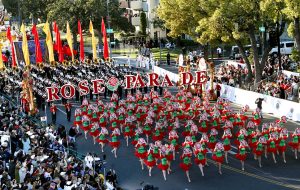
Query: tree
x=71 y=10
x=158 y=23
x=292 y=11
x=11 y=6
x=86 y=10
x=209 y=21
x=143 y=23
x=33 y=9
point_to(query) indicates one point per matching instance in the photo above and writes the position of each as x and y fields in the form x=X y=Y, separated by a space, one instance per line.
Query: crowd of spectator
x=231 y=75
x=284 y=87
x=273 y=84
x=34 y=157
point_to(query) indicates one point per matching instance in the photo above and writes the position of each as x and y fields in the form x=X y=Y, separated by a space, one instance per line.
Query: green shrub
x=295 y=55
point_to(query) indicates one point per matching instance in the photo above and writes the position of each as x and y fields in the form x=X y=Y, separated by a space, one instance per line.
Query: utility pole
x=159 y=48
x=19 y=13
x=108 y=22
x=278 y=44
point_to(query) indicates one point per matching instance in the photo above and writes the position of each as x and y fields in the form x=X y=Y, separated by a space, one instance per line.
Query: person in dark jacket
x=168 y=58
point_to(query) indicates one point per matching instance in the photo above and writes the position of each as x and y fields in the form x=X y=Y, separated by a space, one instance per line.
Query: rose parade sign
x=97 y=86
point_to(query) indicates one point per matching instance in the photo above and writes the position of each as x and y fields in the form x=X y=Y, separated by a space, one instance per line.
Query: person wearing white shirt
x=69 y=185
x=219 y=52
x=128 y=61
x=139 y=60
x=147 y=63
x=144 y=62
x=89 y=161
x=180 y=61
x=152 y=64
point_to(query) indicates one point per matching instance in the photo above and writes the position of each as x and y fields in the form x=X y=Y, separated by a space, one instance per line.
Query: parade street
x=271 y=176
x=149 y=95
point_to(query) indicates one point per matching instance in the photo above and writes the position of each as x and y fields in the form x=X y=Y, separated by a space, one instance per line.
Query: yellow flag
x=49 y=42
x=94 y=43
x=70 y=40
x=1 y=60
x=25 y=46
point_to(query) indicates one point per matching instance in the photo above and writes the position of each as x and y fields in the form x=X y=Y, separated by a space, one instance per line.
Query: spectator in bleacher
x=37 y=158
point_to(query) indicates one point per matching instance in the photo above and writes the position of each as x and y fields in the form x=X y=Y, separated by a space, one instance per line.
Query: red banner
x=81 y=42
x=9 y=37
x=38 y=50
x=58 y=45
x=105 y=44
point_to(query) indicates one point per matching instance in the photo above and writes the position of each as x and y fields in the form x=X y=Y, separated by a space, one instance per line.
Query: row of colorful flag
x=58 y=44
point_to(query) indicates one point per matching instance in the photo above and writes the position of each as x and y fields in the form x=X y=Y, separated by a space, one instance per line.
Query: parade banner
x=10 y=38
x=105 y=43
x=94 y=43
x=49 y=42
x=38 y=51
x=81 y=42
x=97 y=86
x=58 y=43
x=70 y=40
x=31 y=48
x=25 y=46
x=113 y=84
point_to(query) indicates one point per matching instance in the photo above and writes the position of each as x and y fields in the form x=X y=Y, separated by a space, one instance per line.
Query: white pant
x=128 y=62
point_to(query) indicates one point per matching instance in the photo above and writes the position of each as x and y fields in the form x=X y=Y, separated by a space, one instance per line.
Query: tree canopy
x=33 y=9
x=62 y=11
x=237 y=21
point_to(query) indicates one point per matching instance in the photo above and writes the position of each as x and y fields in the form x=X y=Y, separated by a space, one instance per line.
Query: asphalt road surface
x=273 y=176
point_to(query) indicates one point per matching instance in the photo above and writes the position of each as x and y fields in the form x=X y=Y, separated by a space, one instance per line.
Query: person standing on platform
x=68 y=107
x=53 y=110
x=218 y=89
x=258 y=102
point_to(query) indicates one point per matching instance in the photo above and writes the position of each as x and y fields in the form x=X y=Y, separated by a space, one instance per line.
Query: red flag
x=58 y=45
x=81 y=42
x=38 y=51
x=9 y=37
x=105 y=44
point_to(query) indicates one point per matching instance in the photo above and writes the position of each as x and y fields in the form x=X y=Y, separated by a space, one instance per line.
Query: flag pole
x=108 y=22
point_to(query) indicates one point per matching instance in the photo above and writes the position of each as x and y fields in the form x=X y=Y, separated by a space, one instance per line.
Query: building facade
x=135 y=8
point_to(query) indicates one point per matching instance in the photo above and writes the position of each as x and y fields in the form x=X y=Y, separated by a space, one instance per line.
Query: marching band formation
x=159 y=126
x=47 y=75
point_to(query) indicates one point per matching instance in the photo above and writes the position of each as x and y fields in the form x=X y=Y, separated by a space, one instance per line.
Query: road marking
x=257 y=176
x=62 y=111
